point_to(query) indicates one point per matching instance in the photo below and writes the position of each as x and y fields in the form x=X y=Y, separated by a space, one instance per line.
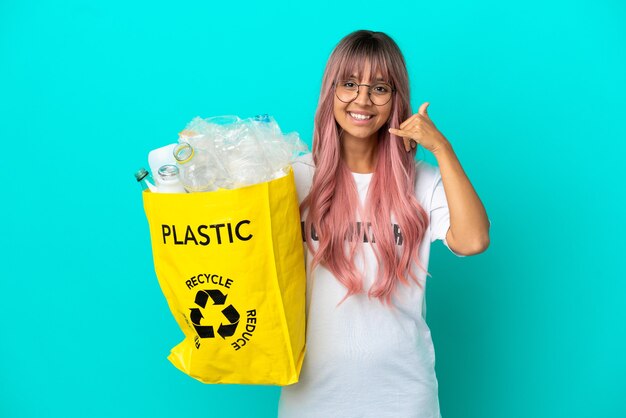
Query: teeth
x=360 y=117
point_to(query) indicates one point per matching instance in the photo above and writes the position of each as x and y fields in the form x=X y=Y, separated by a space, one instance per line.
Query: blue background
x=531 y=95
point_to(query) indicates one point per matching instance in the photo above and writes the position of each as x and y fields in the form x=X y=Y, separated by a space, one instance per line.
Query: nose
x=363 y=96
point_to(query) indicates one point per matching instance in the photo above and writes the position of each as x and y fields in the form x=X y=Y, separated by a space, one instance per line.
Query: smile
x=359 y=117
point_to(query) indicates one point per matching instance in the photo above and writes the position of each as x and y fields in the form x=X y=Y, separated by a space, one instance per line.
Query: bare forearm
x=469 y=225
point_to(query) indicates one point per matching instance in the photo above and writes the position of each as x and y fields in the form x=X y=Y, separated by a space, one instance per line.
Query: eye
x=381 y=89
x=349 y=84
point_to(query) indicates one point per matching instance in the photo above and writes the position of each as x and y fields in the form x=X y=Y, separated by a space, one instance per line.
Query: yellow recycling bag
x=230 y=264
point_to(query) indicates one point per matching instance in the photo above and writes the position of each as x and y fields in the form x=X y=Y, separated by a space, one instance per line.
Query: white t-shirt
x=364 y=359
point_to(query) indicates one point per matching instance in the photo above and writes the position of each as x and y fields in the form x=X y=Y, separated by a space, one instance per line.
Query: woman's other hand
x=420 y=129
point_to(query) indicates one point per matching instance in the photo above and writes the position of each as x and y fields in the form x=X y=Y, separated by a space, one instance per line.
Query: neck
x=359 y=154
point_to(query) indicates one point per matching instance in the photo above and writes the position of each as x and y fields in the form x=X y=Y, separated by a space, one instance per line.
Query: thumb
x=423 y=110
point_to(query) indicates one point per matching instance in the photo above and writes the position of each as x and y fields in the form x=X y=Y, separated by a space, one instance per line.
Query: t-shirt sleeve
x=439 y=213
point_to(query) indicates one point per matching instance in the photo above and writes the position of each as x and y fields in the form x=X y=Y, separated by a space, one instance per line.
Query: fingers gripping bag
x=230 y=264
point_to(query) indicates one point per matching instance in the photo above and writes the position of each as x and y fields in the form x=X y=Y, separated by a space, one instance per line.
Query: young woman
x=369 y=214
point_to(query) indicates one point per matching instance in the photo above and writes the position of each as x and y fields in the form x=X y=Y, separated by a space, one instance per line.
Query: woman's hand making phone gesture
x=420 y=129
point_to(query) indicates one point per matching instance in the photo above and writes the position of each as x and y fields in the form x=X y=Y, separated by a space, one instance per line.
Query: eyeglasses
x=379 y=93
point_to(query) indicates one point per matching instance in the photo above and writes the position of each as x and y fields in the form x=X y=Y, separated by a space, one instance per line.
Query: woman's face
x=362 y=105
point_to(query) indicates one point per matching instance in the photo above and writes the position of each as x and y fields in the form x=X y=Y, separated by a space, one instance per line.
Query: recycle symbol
x=231 y=314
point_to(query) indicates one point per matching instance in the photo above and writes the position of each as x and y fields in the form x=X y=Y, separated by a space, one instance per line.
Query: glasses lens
x=380 y=94
x=346 y=91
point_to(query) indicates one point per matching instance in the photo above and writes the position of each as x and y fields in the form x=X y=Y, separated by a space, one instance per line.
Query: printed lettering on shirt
x=363 y=231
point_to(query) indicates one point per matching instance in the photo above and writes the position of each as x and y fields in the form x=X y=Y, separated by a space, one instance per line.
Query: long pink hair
x=333 y=198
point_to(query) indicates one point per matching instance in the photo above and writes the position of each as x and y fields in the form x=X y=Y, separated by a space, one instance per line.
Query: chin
x=362 y=135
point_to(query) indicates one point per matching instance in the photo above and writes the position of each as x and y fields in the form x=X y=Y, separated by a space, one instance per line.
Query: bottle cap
x=168 y=172
x=262 y=118
x=183 y=152
x=141 y=174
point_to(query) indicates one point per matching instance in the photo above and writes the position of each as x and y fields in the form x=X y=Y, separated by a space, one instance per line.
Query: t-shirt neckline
x=362 y=178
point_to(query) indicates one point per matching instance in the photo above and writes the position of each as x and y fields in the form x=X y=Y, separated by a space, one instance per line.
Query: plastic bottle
x=196 y=168
x=168 y=180
x=273 y=146
x=144 y=179
x=159 y=157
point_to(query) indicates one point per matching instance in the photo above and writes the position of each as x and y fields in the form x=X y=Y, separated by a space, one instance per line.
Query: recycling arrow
x=203 y=296
x=195 y=316
x=230 y=313
x=204 y=331
x=233 y=316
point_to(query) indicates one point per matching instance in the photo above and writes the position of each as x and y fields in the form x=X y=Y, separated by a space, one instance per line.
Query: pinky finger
x=405 y=137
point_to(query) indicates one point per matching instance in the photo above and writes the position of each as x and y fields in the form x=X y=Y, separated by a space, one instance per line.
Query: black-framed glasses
x=379 y=93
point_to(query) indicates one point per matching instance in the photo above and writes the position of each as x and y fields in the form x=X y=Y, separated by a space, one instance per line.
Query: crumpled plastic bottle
x=196 y=169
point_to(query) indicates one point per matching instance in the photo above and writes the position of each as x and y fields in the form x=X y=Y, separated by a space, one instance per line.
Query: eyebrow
x=378 y=79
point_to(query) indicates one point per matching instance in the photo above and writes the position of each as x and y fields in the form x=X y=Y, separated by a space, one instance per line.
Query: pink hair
x=333 y=199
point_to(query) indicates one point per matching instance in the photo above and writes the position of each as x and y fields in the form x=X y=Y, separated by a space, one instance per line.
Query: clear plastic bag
x=242 y=151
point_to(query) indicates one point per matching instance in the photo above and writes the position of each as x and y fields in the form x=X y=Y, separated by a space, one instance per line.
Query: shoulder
x=303 y=170
x=426 y=169
x=303 y=166
x=305 y=160
x=426 y=176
